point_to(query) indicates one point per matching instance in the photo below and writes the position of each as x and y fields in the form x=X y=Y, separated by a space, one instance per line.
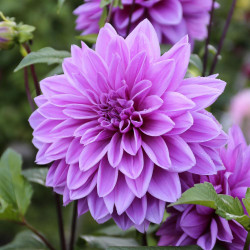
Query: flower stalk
x=208 y=39
x=132 y=8
x=73 y=226
x=224 y=33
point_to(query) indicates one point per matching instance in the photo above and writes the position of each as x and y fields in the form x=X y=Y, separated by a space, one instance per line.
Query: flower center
x=116 y=112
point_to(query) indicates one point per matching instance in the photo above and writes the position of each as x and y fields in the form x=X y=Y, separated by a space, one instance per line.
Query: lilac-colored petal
x=139 y=186
x=137 y=210
x=51 y=173
x=224 y=231
x=203 y=91
x=182 y=123
x=140 y=90
x=136 y=69
x=36 y=119
x=109 y=201
x=145 y=27
x=77 y=178
x=157 y=151
x=181 y=155
x=194 y=224
x=97 y=206
x=122 y=221
x=155 y=210
x=132 y=165
x=167 y=13
x=150 y=104
x=204 y=164
x=156 y=124
x=143 y=227
x=157 y=186
x=92 y=154
x=180 y=53
x=131 y=141
x=84 y=190
x=175 y=104
x=203 y=129
x=115 y=150
x=50 y=111
x=55 y=85
x=208 y=240
x=82 y=206
x=123 y=195
x=106 y=179
x=161 y=74
x=105 y=36
x=74 y=151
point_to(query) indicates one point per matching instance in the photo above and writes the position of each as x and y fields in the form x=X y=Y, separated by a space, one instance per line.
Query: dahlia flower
x=122 y=122
x=172 y=19
x=195 y=224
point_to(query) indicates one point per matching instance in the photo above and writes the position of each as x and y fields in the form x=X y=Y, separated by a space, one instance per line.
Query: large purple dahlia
x=190 y=224
x=172 y=19
x=121 y=123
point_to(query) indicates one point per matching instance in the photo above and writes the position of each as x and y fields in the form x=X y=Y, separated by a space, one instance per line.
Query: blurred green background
x=56 y=29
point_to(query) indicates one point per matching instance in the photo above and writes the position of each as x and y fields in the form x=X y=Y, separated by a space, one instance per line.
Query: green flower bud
x=8 y=34
x=12 y=33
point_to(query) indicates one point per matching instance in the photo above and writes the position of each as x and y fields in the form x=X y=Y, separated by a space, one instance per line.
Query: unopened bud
x=8 y=34
x=12 y=33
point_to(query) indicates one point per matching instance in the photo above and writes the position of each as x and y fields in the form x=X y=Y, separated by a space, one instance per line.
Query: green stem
x=247 y=244
x=25 y=223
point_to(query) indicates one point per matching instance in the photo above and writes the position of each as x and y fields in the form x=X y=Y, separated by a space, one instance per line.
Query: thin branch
x=25 y=223
x=132 y=8
x=60 y=222
x=33 y=72
x=110 y=11
x=27 y=89
x=229 y=17
x=208 y=38
x=73 y=226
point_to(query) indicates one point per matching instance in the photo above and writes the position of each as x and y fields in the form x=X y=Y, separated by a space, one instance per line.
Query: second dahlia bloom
x=172 y=19
x=194 y=224
x=122 y=122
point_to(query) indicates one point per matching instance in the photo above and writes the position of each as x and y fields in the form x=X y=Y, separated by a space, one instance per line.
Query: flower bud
x=12 y=33
x=8 y=34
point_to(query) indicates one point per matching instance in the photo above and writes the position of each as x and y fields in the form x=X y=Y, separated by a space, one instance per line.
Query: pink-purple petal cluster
x=172 y=19
x=121 y=123
x=195 y=224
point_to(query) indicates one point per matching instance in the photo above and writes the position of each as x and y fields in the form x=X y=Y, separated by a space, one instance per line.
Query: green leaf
x=59 y=5
x=226 y=206
x=36 y=175
x=45 y=55
x=90 y=38
x=195 y=66
x=113 y=230
x=201 y=194
x=56 y=71
x=155 y=248
x=246 y=201
x=15 y=190
x=103 y=242
x=25 y=240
